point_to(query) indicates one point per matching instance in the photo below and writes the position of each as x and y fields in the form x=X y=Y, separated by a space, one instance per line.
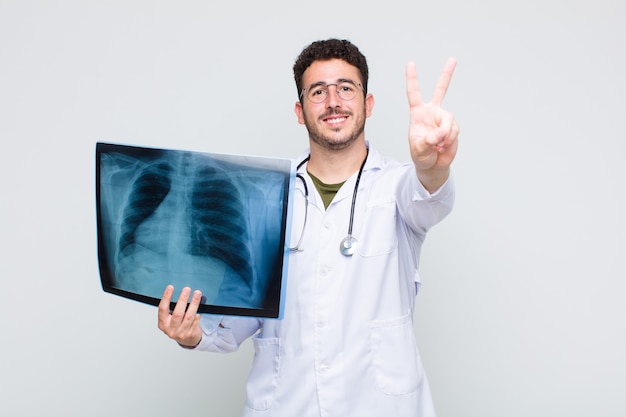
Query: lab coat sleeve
x=225 y=334
x=420 y=209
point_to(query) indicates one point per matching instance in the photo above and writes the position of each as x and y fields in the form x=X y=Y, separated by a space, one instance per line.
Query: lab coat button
x=323 y=369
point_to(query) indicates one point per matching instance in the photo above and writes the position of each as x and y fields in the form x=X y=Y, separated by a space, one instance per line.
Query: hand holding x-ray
x=182 y=323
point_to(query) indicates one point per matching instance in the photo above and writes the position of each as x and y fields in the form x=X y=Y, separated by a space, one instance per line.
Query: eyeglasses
x=318 y=92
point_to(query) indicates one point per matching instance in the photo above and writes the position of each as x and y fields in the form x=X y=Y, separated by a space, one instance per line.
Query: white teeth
x=336 y=120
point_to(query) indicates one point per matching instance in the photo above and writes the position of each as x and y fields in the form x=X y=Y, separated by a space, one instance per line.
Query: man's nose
x=333 y=99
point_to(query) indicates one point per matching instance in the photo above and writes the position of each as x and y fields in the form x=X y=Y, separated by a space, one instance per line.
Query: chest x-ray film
x=211 y=222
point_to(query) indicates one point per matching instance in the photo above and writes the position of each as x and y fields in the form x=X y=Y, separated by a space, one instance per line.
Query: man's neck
x=334 y=166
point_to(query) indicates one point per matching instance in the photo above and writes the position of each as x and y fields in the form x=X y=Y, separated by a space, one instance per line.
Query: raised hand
x=183 y=323
x=433 y=131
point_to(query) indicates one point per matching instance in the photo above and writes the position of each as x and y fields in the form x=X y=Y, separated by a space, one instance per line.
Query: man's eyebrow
x=338 y=81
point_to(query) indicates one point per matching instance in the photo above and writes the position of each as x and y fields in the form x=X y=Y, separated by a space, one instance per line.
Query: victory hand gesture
x=433 y=131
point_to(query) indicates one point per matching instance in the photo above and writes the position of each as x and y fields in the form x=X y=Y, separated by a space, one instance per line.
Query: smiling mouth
x=334 y=117
x=336 y=120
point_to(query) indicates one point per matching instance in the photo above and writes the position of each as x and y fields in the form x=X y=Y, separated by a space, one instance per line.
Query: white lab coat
x=346 y=345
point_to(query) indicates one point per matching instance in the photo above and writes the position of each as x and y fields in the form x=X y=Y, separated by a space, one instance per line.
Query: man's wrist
x=190 y=347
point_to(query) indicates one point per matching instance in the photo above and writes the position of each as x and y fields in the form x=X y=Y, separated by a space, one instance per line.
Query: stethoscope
x=348 y=244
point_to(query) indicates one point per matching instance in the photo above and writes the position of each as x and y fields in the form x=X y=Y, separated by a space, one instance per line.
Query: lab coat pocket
x=263 y=378
x=377 y=235
x=394 y=356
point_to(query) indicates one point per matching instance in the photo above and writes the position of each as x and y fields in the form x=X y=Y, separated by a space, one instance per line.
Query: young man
x=346 y=345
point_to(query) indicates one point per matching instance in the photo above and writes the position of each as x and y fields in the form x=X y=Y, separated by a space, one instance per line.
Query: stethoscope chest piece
x=348 y=245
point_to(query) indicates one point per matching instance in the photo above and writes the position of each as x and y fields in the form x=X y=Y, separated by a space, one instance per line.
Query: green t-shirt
x=327 y=191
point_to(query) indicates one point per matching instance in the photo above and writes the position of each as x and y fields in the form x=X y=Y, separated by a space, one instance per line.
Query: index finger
x=412 y=87
x=444 y=81
x=164 y=304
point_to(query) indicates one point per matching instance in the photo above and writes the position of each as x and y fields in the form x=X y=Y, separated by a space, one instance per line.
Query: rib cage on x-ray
x=219 y=227
x=183 y=214
x=147 y=193
x=216 y=213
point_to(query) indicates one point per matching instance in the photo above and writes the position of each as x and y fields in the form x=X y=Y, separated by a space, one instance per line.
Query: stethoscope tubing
x=347 y=245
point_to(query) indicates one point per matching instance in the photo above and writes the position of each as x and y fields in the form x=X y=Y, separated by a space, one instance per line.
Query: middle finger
x=181 y=306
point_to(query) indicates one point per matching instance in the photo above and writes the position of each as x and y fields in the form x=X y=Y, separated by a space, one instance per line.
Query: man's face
x=334 y=123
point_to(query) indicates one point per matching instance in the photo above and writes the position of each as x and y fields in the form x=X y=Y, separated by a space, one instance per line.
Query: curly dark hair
x=325 y=50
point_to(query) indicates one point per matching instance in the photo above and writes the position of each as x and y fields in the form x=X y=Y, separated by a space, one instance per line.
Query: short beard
x=333 y=143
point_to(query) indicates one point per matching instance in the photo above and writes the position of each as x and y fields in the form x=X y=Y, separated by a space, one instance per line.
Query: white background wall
x=521 y=312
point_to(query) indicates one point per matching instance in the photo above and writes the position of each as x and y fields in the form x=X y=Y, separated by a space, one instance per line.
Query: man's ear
x=369 y=105
x=299 y=112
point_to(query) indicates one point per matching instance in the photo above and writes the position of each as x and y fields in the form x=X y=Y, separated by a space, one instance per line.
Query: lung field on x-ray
x=147 y=193
x=186 y=219
x=218 y=222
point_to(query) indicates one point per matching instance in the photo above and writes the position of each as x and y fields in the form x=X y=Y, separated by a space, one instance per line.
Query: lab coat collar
x=374 y=159
x=374 y=162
